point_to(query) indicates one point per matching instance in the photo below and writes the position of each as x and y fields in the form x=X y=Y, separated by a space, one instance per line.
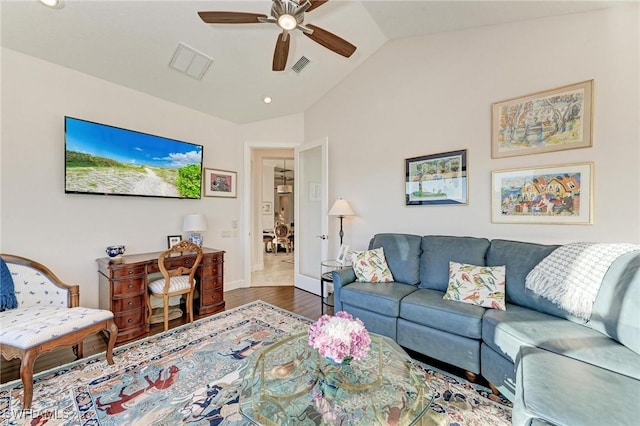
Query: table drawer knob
x=130 y=272
x=130 y=285
x=130 y=303
x=129 y=320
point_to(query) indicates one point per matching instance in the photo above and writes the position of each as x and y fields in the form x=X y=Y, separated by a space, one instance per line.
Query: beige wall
x=425 y=95
x=67 y=232
x=416 y=96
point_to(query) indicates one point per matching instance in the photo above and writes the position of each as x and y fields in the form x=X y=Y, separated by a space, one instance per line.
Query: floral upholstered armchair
x=40 y=313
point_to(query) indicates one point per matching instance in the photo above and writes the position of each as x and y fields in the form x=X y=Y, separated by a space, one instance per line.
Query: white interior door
x=311 y=207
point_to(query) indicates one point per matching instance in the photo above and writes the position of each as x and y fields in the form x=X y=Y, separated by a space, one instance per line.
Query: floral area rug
x=193 y=375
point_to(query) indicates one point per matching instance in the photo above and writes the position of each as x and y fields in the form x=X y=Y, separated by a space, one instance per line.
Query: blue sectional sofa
x=490 y=342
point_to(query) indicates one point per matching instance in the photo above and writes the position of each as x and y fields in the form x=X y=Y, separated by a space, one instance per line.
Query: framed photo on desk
x=172 y=240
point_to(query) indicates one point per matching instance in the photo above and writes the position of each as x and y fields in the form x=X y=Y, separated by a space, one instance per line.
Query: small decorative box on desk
x=123 y=287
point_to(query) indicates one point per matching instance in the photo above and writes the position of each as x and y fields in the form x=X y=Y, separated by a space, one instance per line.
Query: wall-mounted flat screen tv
x=107 y=160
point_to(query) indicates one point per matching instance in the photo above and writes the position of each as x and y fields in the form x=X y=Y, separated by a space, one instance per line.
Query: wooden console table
x=123 y=287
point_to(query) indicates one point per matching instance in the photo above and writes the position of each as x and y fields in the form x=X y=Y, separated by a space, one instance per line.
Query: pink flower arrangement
x=340 y=337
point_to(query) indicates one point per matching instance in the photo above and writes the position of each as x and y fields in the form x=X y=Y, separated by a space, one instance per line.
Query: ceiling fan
x=288 y=15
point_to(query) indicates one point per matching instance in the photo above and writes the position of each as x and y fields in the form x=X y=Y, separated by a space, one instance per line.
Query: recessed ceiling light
x=267 y=99
x=54 y=4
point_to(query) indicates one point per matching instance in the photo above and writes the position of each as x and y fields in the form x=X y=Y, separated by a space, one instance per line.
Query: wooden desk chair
x=47 y=317
x=176 y=280
x=281 y=238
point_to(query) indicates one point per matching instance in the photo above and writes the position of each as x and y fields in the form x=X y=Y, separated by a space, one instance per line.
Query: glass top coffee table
x=289 y=383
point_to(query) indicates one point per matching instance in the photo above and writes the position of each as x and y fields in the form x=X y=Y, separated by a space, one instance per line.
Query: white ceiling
x=132 y=42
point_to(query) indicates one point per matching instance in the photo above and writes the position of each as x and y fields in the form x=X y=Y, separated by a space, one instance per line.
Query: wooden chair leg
x=190 y=305
x=149 y=311
x=26 y=374
x=113 y=335
x=166 y=312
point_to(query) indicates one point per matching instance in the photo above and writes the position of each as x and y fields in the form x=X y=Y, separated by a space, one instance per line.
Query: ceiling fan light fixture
x=287 y=22
x=54 y=4
x=284 y=189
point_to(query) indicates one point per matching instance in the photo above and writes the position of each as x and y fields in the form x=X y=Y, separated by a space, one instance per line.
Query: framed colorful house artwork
x=561 y=194
x=220 y=183
x=551 y=120
x=436 y=179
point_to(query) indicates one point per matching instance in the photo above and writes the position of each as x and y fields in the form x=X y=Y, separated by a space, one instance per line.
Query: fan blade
x=316 y=3
x=331 y=41
x=230 y=17
x=281 y=52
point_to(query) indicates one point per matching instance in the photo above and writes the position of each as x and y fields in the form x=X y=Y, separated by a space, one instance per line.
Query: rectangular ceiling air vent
x=189 y=61
x=301 y=64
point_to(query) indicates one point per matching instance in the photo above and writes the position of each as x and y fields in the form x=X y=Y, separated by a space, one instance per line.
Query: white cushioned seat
x=176 y=283
x=30 y=326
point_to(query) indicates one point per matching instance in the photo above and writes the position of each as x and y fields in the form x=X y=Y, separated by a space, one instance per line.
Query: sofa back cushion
x=520 y=258
x=439 y=250
x=402 y=252
x=616 y=311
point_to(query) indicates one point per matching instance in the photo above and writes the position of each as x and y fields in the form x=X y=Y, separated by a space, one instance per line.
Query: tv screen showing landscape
x=107 y=160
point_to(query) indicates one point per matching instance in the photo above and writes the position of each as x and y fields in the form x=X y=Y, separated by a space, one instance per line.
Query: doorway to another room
x=276 y=222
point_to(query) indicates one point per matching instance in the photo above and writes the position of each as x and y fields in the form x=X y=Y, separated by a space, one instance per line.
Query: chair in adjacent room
x=176 y=280
x=281 y=238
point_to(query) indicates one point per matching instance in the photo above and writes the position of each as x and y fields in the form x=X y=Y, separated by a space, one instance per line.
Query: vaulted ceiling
x=131 y=43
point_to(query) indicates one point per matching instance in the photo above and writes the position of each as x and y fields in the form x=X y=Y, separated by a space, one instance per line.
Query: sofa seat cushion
x=25 y=328
x=381 y=298
x=426 y=307
x=439 y=250
x=507 y=331
x=563 y=391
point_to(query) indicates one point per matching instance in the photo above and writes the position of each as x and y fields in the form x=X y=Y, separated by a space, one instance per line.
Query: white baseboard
x=234 y=285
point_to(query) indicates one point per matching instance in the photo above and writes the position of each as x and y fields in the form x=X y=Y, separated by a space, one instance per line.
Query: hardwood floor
x=289 y=298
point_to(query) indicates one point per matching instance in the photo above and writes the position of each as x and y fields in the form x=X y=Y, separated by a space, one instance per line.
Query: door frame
x=247 y=196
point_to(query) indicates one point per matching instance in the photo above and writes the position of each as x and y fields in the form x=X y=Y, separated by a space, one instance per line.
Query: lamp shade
x=194 y=222
x=341 y=208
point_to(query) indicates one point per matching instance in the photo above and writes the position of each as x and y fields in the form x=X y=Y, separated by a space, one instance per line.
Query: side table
x=326 y=267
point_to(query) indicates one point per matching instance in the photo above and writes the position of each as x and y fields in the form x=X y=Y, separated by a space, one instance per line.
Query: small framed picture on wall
x=220 y=183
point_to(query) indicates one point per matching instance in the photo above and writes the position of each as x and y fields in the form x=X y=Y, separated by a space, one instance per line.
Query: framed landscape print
x=436 y=179
x=552 y=120
x=220 y=183
x=561 y=194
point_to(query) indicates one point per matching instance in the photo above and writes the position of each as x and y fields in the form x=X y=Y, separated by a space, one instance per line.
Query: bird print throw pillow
x=371 y=266
x=477 y=285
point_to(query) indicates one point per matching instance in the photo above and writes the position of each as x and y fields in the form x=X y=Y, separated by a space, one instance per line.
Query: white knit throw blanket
x=572 y=274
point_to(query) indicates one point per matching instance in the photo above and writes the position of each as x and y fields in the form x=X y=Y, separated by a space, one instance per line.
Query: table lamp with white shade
x=341 y=208
x=195 y=223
